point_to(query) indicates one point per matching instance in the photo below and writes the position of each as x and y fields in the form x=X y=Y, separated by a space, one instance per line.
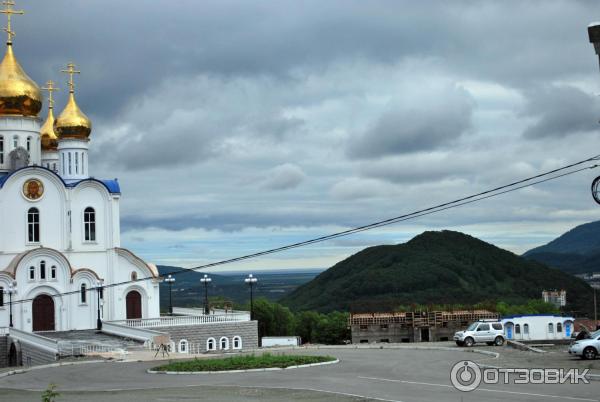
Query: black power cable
x=507 y=188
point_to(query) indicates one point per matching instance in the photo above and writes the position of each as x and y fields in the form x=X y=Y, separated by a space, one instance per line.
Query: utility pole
x=595 y=310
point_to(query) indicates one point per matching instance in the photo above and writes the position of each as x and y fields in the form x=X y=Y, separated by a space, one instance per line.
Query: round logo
x=33 y=189
x=465 y=376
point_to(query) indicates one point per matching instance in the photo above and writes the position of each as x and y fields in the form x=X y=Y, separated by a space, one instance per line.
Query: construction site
x=412 y=326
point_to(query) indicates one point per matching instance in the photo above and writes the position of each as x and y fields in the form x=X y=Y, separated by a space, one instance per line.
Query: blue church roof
x=111 y=185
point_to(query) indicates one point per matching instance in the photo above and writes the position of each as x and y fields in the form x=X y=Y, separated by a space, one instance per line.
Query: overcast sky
x=236 y=126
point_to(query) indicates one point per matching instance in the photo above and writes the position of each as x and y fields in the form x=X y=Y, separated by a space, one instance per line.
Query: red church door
x=43 y=313
x=134 y=305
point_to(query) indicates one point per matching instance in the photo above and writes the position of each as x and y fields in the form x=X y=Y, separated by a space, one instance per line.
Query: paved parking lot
x=404 y=374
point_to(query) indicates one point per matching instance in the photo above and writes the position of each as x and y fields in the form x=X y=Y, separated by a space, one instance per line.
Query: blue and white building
x=538 y=327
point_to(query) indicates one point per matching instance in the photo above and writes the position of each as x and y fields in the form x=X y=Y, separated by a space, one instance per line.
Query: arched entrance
x=134 y=305
x=43 y=313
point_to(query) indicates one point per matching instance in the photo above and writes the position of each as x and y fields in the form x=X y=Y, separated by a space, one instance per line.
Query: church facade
x=60 y=226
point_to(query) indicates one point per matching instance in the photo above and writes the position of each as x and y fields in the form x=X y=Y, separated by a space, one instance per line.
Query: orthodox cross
x=71 y=71
x=50 y=88
x=9 y=12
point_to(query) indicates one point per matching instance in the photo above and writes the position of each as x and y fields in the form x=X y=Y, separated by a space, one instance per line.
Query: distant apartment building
x=414 y=326
x=556 y=297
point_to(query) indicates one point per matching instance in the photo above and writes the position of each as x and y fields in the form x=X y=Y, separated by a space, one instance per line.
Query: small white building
x=538 y=327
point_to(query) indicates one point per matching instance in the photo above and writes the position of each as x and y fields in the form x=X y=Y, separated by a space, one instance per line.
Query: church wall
x=22 y=128
x=13 y=213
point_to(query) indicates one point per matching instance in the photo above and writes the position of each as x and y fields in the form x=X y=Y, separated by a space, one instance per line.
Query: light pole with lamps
x=594 y=35
x=251 y=280
x=10 y=291
x=206 y=280
x=99 y=291
x=170 y=281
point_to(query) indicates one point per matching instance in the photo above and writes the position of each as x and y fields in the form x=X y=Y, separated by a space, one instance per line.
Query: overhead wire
x=497 y=191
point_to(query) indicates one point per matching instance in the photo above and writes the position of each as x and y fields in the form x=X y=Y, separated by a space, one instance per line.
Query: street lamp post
x=594 y=34
x=98 y=320
x=170 y=281
x=250 y=280
x=206 y=280
x=11 y=290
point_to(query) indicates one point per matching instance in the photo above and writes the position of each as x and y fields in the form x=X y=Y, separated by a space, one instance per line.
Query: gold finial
x=71 y=70
x=9 y=12
x=50 y=88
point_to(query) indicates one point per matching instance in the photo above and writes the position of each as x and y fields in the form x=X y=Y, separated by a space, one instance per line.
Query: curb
x=51 y=365
x=149 y=371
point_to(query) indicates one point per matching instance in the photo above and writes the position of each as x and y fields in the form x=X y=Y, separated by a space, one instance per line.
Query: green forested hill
x=433 y=268
x=575 y=252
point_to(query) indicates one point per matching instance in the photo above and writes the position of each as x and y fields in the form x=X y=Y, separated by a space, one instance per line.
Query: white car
x=490 y=332
x=586 y=348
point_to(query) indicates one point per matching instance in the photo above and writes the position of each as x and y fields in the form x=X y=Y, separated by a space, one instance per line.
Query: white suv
x=586 y=348
x=490 y=332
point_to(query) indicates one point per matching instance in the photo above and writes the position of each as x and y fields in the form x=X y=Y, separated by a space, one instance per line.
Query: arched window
x=15 y=142
x=526 y=329
x=43 y=270
x=54 y=167
x=82 y=163
x=1 y=296
x=63 y=164
x=224 y=343
x=70 y=163
x=551 y=328
x=517 y=329
x=211 y=344
x=53 y=272
x=83 y=295
x=89 y=223
x=1 y=149
x=183 y=346
x=33 y=225
x=237 y=342
x=134 y=276
x=28 y=144
x=77 y=162
x=558 y=327
x=31 y=273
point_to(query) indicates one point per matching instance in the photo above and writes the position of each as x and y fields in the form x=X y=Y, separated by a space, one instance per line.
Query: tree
x=306 y=325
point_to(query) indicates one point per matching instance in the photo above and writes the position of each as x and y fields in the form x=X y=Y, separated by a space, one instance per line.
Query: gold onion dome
x=49 y=137
x=72 y=122
x=19 y=94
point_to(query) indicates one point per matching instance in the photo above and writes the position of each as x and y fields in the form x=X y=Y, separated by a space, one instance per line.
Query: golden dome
x=72 y=122
x=19 y=94
x=49 y=137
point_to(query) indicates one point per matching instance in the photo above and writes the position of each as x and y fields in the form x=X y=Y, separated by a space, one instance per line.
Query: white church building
x=62 y=267
x=59 y=226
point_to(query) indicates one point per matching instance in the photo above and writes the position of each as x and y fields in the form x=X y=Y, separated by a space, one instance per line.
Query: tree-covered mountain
x=434 y=268
x=575 y=252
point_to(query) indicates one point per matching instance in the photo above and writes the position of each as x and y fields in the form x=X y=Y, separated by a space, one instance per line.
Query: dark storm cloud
x=561 y=111
x=127 y=48
x=427 y=122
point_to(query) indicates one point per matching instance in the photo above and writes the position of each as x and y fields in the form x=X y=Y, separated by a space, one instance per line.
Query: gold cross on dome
x=50 y=88
x=71 y=71
x=9 y=12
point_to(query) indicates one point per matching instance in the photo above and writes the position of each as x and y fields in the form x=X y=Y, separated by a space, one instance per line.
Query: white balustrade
x=188 y=320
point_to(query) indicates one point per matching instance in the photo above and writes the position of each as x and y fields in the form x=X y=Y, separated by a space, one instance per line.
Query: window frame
x=224 y=338
x=90 y=233
x=237 y=339
x=83 y=293
x=33 y=225
x=1 y=149
x=213 y=342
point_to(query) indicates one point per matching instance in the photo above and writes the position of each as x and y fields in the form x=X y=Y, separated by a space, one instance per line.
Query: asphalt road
x=407 y=375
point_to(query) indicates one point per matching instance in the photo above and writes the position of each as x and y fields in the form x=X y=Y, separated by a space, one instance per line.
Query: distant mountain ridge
x=577 y=251
x=433 y=268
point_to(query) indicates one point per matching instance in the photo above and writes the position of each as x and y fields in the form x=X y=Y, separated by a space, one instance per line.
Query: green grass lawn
x=266 y=360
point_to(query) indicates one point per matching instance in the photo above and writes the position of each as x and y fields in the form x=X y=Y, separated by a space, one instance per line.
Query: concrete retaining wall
x=35 y=356
x=199 y=334
x=3 y=351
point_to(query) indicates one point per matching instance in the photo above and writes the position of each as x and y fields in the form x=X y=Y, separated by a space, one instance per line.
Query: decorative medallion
x=33 y=189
